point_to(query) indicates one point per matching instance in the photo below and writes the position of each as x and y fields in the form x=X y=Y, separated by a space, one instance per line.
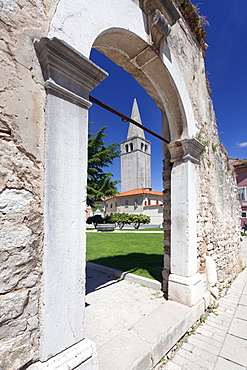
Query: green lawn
x=147 y=229
x=133 y=252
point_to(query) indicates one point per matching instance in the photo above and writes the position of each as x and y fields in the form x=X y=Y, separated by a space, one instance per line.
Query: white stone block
x=12 y=304
x=81 y=356
x=12 y=200
x=186 y=290
x=14 y=236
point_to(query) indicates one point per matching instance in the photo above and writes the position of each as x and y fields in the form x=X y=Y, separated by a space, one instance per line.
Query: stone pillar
x=167 y=167
x=69 y=77
x=185 y=283
x=167 y=219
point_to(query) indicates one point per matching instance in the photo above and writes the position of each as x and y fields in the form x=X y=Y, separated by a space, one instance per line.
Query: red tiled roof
x=148 y=191
x=238 y=162
x=153 y=205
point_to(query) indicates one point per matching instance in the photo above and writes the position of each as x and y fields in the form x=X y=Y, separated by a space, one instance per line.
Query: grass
x=147 y=229
x=126 y=229
x=132 y=252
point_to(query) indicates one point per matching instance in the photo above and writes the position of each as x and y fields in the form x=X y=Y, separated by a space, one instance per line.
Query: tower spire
x=135 y=156
x=135 y=130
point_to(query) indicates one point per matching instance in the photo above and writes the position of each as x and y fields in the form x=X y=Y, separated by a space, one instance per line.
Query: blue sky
x=226 y=63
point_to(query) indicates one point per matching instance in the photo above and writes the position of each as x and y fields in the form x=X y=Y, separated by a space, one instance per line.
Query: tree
x=99 y=183
x=120 y=218
x=137 y=220
x=125 y=218
x=95 y=220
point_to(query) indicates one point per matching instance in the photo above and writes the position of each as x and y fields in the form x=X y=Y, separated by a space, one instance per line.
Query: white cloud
x=242 y=145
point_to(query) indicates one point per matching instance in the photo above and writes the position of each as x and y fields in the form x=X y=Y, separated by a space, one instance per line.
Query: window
x=131 y=147
x=136 y=203
x=111 y=205
x=142 y=145
x=126 y=148
x=126 y=203
x=146 y=148
x=115 y=204
x=244 y=214
x=242 y=193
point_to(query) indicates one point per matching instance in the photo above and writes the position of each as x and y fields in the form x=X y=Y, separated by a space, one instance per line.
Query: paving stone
x=245 y=289
x=204 y=331
x=190 y=365
x=223 y=364
x=221 y=332
x=241 y=312
x=210 y=341
x=239 y=328
x=197 y=358
x=172 y=366
x=204 y=354
x=229 y=300
x=243 y=300
x=235 y=349
x=207 y=347
x=212 y=326
x=219 y=338
x=127 y=347
x=189 y=347
x=225 y=318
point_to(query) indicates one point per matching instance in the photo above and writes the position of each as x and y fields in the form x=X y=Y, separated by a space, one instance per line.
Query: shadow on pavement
x=152 y=263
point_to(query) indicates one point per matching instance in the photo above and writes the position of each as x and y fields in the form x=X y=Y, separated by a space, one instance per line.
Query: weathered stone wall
x=22 y=136
x=22 y=130
x=218 y=217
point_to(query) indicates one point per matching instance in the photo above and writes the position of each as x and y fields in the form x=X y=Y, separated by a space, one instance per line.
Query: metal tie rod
x=126 y=118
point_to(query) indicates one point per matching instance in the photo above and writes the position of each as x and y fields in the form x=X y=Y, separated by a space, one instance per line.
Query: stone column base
x=81 y=356
x=186 y=290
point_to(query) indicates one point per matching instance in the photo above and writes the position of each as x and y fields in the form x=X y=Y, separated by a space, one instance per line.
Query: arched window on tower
x=126 y=148
x=142 y=145
x=146 y=148
x=131 y=147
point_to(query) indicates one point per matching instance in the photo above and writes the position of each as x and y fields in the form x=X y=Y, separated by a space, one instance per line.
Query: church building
x=136 y=194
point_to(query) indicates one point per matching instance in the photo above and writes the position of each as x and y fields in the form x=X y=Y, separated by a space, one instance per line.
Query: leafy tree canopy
x=137 y=220
x=125 y=218
x=99 y=183
x=120 y=218
x=97 y=219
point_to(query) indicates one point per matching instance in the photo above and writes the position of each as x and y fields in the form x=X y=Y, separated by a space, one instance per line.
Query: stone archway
x=141 y=60
x=69 y=77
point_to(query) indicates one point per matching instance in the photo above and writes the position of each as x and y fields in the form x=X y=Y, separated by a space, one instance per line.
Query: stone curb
x=153 y=284
x=150 y=338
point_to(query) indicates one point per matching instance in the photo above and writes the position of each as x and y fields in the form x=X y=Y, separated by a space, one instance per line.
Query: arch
x=118 y=30
x=139 y=59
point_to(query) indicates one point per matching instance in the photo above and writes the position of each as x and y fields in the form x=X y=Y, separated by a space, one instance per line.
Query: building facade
x=240 y=166
x=145 y=201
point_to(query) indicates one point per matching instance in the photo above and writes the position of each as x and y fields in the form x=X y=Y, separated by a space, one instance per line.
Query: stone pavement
x=133 y=326
x=221 y=342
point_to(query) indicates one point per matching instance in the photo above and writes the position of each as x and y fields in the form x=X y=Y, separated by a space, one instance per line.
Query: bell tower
x=135 y=156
